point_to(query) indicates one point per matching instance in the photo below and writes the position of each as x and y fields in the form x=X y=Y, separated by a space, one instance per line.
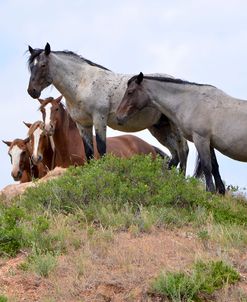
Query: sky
x=203 y=41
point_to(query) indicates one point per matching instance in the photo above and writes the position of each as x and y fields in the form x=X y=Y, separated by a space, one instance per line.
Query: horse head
x=40 y=76
x=19 y=157
x=38 y=141
x=51 y=110
x=133 y=101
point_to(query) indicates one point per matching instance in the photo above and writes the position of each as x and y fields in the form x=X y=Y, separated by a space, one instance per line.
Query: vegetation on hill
x=115 y=195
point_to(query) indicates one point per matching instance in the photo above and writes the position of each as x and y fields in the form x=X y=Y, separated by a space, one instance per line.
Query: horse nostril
x=33 y=92
x=17 y=175
x=39 y=158
x=120 y=120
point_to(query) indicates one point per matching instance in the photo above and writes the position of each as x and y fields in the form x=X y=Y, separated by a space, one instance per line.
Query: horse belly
x=233 y=146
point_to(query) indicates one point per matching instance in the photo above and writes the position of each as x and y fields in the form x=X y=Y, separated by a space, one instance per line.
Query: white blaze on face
x=36 y=137
x=35 y=61
x=48 y=116
x=15 y=153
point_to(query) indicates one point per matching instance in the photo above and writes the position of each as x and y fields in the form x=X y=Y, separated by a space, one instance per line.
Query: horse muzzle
x=49 y=130
x=33 y=92
x=36 y=159
x=16 y=176
x=121 y=120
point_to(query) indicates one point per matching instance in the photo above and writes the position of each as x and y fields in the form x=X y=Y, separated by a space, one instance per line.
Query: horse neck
x=61 y=134
x=66 y=72
x=27 y=171
x=173 y=99
x=26 y=177
x=48 y=154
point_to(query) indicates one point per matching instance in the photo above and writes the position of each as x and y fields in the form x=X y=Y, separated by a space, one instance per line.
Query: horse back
x=129 y=145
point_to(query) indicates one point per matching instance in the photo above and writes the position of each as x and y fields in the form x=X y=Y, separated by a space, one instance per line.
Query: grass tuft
x=205 y=278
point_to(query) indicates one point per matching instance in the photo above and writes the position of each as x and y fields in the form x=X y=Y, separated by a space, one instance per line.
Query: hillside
x=122 y=230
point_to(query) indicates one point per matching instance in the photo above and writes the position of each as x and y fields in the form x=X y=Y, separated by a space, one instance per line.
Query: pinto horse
x=40 y=146
x=92 y=94
x=68 y=143
x=206 y=116
x=22 y=168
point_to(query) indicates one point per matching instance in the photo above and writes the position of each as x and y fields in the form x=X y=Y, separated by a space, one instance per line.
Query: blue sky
x=203 y=41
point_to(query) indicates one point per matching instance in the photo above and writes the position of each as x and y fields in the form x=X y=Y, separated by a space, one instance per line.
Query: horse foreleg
x=203 y=147
x=170 y=137
x=220 y=187
x=100 y=124
x=160 y=133
x=87 y=138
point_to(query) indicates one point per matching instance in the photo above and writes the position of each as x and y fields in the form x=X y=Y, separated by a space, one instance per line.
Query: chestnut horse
x=69 y=148
x=40 y=146
x=22 y=168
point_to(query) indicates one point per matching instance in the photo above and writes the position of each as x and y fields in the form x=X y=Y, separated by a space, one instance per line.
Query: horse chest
x=80 y=113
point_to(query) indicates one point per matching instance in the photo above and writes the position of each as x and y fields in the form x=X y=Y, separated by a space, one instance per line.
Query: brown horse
x=22 y=168
x=69 y=147
x=40 y=145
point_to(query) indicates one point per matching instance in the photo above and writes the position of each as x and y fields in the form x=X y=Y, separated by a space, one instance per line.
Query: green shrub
x=115 y=193
x=205 y=278
x=11 y=233
x=214 y=275
x=42 y=263
x=3 y=298
x=175 y=286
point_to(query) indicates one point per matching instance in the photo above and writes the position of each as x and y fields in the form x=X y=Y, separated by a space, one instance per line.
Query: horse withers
x=92 y=94
x=204 y=114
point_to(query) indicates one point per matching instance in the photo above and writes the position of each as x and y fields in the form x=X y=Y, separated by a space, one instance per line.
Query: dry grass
x=115 y=267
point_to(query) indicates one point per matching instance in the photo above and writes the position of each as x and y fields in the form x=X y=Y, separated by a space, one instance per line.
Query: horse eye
x=43 y=65
x=130 y=92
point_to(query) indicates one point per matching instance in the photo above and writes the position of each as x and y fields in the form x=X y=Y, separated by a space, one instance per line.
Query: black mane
x=167 y=80
x=36 y=52
x=71 y=53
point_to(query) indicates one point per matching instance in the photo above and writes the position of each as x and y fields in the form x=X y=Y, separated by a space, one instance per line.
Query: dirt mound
x=10 y=191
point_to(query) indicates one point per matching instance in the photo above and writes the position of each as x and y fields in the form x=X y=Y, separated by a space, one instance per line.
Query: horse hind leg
x=220 y=187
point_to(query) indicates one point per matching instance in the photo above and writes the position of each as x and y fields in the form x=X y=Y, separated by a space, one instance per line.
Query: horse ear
x=26 y=140
x=41 y=101
x=139 y=78
x=7 y=143
x=47 y=49
x=27 y=124
x=30 y=49
x=58 y=100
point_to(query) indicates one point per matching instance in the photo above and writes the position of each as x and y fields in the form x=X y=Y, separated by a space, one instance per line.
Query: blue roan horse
x=205 y=114
x=92 y=95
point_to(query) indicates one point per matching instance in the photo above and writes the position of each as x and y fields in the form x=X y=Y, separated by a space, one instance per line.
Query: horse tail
x=161 y=153
x=198 y=172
